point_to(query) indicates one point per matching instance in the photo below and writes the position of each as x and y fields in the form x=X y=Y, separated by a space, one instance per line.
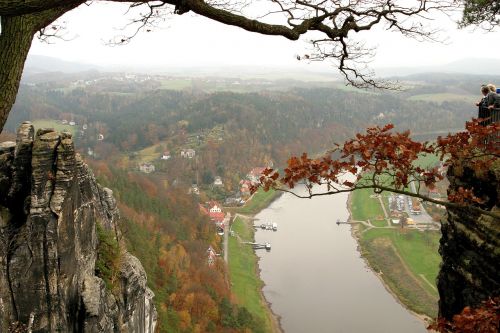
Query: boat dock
x=269 y=226
x=258 y=246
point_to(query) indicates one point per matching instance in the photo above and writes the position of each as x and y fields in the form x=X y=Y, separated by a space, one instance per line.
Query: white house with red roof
x=166 y=155
x=214 y=210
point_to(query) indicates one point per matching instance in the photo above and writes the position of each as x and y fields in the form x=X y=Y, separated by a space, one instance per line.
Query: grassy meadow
x=408 y=260
x=243 y=272
x=259 y=201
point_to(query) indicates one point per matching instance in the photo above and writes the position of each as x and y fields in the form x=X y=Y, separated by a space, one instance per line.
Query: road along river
x=316 y=280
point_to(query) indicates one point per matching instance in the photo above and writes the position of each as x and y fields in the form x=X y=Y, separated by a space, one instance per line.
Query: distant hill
x=473 y=66
x=483 y=68
x=36 y=64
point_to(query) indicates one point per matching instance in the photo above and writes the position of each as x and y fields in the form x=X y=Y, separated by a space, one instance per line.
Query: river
x=314 y=276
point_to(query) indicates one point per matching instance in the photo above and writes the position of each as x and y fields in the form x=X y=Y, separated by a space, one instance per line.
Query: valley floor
x=244 y=275
x=407 y=260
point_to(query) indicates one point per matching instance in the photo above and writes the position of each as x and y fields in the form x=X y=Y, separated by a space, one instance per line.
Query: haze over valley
x=249 y=167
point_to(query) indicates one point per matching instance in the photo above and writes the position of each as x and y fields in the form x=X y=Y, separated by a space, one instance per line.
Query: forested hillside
x=164 y=229
x=120 y=124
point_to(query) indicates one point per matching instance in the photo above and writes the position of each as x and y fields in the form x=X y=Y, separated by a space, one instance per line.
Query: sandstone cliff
x=50 y=205
x=470 y=245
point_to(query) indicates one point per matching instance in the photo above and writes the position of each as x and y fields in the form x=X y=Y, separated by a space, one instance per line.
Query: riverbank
x=406 y=261
x=246 y=284
x=257 y=202
x=244 y=273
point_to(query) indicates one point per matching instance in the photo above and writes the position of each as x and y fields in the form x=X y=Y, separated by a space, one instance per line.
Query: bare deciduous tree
x=330 y=26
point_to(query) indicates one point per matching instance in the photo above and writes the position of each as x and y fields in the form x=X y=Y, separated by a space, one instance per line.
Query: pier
x=258 y=246
x=269 y=226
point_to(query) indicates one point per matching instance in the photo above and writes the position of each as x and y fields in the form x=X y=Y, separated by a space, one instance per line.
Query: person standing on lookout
x=493 y=100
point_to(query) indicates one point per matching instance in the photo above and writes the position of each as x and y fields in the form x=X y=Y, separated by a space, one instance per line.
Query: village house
x=146 y=167
x=166 y=155
x=234 y=201
x=194 y=189
x=218 y=181
x=254 y=174
x=245 y=186
x=211 y=256
x=188 y=153
x=214 y=210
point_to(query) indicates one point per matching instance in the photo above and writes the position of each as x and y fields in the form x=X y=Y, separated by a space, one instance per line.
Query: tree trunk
x=15 y=42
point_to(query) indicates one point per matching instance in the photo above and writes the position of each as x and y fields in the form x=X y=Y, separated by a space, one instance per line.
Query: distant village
x=213 y=208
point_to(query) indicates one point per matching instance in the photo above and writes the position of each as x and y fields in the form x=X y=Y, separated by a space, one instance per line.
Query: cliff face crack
x=11 y=292
x=30 y=249
x=47 y=278
x=48 y=296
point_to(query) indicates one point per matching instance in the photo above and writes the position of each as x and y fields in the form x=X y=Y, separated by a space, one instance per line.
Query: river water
x=314 y=276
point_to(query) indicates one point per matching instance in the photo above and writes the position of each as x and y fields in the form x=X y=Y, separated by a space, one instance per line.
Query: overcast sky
x=190 y=40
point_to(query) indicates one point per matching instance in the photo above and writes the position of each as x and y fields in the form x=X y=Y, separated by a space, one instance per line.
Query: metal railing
x=491 y=115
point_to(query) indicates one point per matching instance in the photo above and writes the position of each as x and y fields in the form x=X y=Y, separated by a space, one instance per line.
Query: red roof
x=217 y=217
x=213 y=203
x=256 y=171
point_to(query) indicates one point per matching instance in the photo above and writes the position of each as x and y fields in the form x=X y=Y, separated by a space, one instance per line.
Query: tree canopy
x=383 y=160
x=481 y=12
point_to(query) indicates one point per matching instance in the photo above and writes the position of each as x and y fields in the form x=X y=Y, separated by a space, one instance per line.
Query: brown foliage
x=483 y=319
x=389 y=157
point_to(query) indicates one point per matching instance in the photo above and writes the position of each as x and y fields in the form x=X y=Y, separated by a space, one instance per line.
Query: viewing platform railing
x=493 y=115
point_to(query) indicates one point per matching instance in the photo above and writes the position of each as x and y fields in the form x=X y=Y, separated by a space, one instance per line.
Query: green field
x=379 y=223
x=150 y=154
x=444 y=97
x=259 y=201
x=427 y=160
x=243 y=271
x=408 y=259
x=47 y=123
x=363 y=207
x=401 y=266
x=409 y=263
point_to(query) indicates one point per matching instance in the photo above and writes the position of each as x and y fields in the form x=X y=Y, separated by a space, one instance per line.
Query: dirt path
x=410 y=273
x=428 y=282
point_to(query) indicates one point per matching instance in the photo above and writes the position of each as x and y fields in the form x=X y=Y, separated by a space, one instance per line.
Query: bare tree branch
x=379 y=189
